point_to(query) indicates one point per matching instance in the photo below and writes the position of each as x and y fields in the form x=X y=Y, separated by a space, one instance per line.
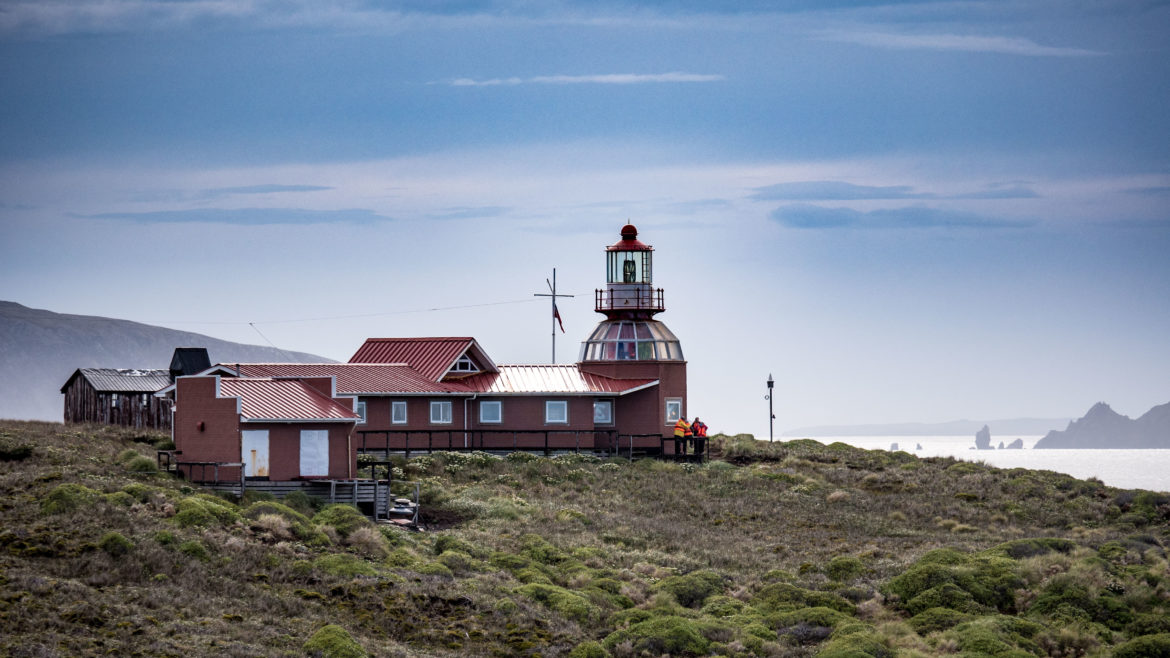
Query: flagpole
x=552 y=287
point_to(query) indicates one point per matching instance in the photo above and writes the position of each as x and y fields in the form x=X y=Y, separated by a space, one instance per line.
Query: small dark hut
x=117 y=396
x=125 y=396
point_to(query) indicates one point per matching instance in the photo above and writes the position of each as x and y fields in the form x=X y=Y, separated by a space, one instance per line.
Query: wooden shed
x=117 y=396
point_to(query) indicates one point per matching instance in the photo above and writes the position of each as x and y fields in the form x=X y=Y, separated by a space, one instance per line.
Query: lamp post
x=768 y=397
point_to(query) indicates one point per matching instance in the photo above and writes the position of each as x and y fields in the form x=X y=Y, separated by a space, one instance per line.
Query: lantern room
x=629 y=276
x=629 y=302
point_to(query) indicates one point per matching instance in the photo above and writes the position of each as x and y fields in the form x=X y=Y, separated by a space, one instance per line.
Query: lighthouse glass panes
x=629 y=267
x=631 y=341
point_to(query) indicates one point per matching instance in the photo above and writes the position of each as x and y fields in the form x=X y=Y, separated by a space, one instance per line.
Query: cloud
x=217 y=192
x=248 y=216
x=842 y=191
x=1156 y=191
x=807 y=216
x=601 y=79
x=957 y=42
x=834 y=191
x=1000 y=192
x=469 y=212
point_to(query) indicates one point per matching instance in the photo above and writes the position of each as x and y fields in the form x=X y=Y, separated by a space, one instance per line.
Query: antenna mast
x=556 y=316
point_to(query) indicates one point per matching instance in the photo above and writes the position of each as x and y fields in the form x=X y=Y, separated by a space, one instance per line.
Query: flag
x=557 y=315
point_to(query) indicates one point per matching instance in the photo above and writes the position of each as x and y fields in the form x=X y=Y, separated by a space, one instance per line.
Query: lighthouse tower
x=630 y=344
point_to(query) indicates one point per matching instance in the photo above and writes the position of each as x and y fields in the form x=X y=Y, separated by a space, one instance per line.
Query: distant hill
x=40 y=349
x=1103 y=427
x=1014 y=426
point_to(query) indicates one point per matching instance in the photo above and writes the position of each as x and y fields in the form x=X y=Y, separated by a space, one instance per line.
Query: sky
x=903 y=211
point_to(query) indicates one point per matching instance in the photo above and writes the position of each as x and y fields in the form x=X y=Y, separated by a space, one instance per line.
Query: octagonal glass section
x=631 y=340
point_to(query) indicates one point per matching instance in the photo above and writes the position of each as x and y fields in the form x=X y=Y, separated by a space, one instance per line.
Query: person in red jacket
x=699 y=429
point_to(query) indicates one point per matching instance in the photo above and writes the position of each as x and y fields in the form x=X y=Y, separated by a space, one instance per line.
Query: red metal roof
x=389 y=379
x=354 y=377
x=432 y=357
x=563 y=379
x=629 y=241
x=282 y=399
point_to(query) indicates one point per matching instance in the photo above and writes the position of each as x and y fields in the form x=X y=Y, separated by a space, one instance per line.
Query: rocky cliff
x=1102 y=427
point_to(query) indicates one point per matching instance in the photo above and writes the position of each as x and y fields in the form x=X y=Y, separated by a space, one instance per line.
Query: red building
x=422 y=394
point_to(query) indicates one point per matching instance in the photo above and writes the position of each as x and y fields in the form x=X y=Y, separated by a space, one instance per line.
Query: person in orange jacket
x=682 y=435
x=699 y=429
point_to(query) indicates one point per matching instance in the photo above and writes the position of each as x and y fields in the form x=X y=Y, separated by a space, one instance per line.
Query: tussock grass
x=784 y=549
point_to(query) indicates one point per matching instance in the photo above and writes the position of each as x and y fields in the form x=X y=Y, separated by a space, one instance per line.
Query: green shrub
x=164 y=537
x=14 y=452
x=786 y=596
x=141 y=492
x=343 y=518
x=262 y=507
x=844 y=568
x=195 y=549
x=302 y=502
x=142 y=464
x=670 y=635
x=692 y=589
x=434 y=569
x=570 y=604
x=444 y=543
x=947 y=595
x=855 y=641
x=344 y=566
x=814 y=616
x=1022 y=548
x=119 y=498
x=202 y=510
x=537 y=548
x=932 y=620
x=589 y=649
x=1147 y=646
x=333 y=641
x=988 y=579
x=126 y=455
x=67 y=498
x=115 y=544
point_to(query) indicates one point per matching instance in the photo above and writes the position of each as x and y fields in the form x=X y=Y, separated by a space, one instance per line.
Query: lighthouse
x=630 y=343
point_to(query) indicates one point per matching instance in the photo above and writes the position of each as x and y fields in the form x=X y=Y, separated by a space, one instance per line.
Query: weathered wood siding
x=85 y=405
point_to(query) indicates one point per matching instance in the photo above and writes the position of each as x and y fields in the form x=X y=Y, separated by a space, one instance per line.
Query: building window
x=398 y=412
x=603 y=412
x=441 y=412
x=361 y=411
x=491 y=411
x=464 y=364
x=556 y=412
x=673 y=410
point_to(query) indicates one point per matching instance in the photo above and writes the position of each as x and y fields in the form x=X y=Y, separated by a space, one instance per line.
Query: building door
x=255 y=449
x=314 y=453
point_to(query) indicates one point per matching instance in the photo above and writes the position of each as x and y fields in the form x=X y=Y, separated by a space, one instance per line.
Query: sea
x=1125 y=469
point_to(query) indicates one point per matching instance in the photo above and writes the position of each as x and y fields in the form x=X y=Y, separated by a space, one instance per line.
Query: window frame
x=361 y=409
x=673 y=402
x=608 y=402
x=499 y=407
x=442 y=404
x=402 y=405
x=549 y=405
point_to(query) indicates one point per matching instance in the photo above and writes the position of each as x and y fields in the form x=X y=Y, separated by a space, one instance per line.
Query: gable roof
x=352 y=378
x=432 y=357
x=122 y=380
x=282 y=400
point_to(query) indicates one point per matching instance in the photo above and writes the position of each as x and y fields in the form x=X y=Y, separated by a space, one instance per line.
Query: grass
x=786 y=549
